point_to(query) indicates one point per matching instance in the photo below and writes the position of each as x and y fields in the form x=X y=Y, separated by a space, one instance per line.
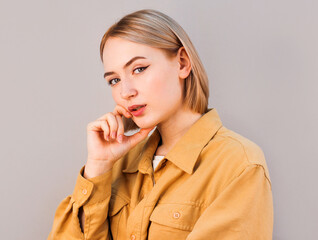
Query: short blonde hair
x=156 y=29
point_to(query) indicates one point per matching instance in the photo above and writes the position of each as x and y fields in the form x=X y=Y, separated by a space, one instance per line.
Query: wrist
x=94 y=168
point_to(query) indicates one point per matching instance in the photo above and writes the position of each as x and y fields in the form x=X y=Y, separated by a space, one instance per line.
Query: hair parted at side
x=156 y=29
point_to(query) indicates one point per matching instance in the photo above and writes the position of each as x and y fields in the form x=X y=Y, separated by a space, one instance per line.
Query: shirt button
x=176 y=215
x=133 y=237
x=84 y=191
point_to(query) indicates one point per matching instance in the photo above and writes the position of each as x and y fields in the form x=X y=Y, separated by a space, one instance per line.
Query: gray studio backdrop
x=261 y=58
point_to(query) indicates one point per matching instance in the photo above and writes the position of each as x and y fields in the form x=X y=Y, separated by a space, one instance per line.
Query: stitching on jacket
x=87 y=222
x=124 y=198
x=188 y=203
x=121 y=213
x=270 y=183
x=245 y=169
x=143 y=210
x=242 y=145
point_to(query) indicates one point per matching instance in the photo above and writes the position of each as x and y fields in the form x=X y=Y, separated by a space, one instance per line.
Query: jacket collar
x=186 y=151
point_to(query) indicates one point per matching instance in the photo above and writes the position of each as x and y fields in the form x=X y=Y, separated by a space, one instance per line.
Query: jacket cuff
x=92 y=190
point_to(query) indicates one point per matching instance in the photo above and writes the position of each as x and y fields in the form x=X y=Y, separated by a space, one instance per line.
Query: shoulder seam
x=269 y=181
x=246 y=157
x=243 y=147
x=245 y=154
x=253 y=165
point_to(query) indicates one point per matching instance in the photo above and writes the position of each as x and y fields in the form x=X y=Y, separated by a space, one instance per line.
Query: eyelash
x=144 y=68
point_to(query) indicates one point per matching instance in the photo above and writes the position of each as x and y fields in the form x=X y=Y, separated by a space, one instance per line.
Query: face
x=153 y=80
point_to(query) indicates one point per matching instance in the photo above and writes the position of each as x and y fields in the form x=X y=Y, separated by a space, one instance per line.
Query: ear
x=184 y=63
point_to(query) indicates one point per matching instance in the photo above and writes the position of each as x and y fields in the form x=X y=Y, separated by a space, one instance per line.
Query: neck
x=174 y=128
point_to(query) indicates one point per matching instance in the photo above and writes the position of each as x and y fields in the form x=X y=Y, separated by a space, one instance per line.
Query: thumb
x=139 y=136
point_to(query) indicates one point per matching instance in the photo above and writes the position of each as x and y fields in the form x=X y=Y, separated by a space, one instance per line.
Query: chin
x=146 y=124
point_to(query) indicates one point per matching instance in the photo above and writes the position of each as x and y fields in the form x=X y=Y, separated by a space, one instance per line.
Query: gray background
x=262 y=62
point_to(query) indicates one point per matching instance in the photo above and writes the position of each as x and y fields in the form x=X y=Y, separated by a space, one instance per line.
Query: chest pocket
x=180 y=216
x=116 y=216
x=115 y=205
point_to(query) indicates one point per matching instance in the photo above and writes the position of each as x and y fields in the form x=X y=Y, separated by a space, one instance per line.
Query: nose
x=127 y=90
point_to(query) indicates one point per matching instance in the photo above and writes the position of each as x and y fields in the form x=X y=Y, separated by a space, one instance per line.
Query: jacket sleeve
x=243 y=210
x=94 y=195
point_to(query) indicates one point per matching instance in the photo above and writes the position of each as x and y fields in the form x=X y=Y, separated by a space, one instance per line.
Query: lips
x=135 y=107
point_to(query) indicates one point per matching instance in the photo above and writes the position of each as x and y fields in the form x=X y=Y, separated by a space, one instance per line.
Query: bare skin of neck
x=174 y=128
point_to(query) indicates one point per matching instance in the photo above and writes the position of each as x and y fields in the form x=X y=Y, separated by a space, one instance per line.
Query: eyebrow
x=126 y=65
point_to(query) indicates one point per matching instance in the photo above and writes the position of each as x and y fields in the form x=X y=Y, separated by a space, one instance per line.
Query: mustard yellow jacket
x=214 y=184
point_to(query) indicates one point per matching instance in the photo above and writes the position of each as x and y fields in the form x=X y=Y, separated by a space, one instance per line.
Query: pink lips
x=131 y=108
x=137 y=112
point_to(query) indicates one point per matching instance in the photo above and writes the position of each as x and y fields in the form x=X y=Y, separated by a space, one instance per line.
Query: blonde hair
x=156 y=29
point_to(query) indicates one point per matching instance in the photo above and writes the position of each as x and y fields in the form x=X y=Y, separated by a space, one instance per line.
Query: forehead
x=118 y=51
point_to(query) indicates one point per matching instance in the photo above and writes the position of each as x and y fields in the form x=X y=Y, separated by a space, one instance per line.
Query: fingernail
x=113 y=135
x=120 y=138
x=107 y=138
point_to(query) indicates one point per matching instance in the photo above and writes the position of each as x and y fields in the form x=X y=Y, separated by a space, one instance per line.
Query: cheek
x=166 y=89
x=155 y=90
x=116 y=96
x=162 y=85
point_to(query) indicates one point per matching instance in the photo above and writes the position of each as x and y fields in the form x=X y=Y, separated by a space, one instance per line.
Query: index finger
x=120 y=110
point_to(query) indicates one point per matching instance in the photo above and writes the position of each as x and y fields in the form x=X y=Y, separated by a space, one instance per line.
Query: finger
x=106 y=129
x=120 y=130
x=93 y=126
x=104 y=117
x=113 y=125
x=139 y=136
x=122 y=111
x=99 y=126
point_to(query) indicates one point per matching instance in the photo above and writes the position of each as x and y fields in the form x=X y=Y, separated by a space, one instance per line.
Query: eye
x=140 y=68
x=110 y=81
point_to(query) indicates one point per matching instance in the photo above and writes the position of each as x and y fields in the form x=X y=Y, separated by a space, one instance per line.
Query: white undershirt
x=156 y=160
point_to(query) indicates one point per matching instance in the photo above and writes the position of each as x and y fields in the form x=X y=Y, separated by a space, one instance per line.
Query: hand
x=106 y=142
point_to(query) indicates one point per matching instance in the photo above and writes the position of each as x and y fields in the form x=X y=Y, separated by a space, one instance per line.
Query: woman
x=192 y=178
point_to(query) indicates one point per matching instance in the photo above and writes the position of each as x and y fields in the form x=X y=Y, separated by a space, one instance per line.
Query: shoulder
x=236 y=152
x=253 y=153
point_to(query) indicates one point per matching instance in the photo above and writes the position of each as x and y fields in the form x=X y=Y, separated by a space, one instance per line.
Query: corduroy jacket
x=213 y=184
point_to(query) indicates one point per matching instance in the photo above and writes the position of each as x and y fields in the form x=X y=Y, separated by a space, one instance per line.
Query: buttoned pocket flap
x=116 y=204
x=181 y=216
